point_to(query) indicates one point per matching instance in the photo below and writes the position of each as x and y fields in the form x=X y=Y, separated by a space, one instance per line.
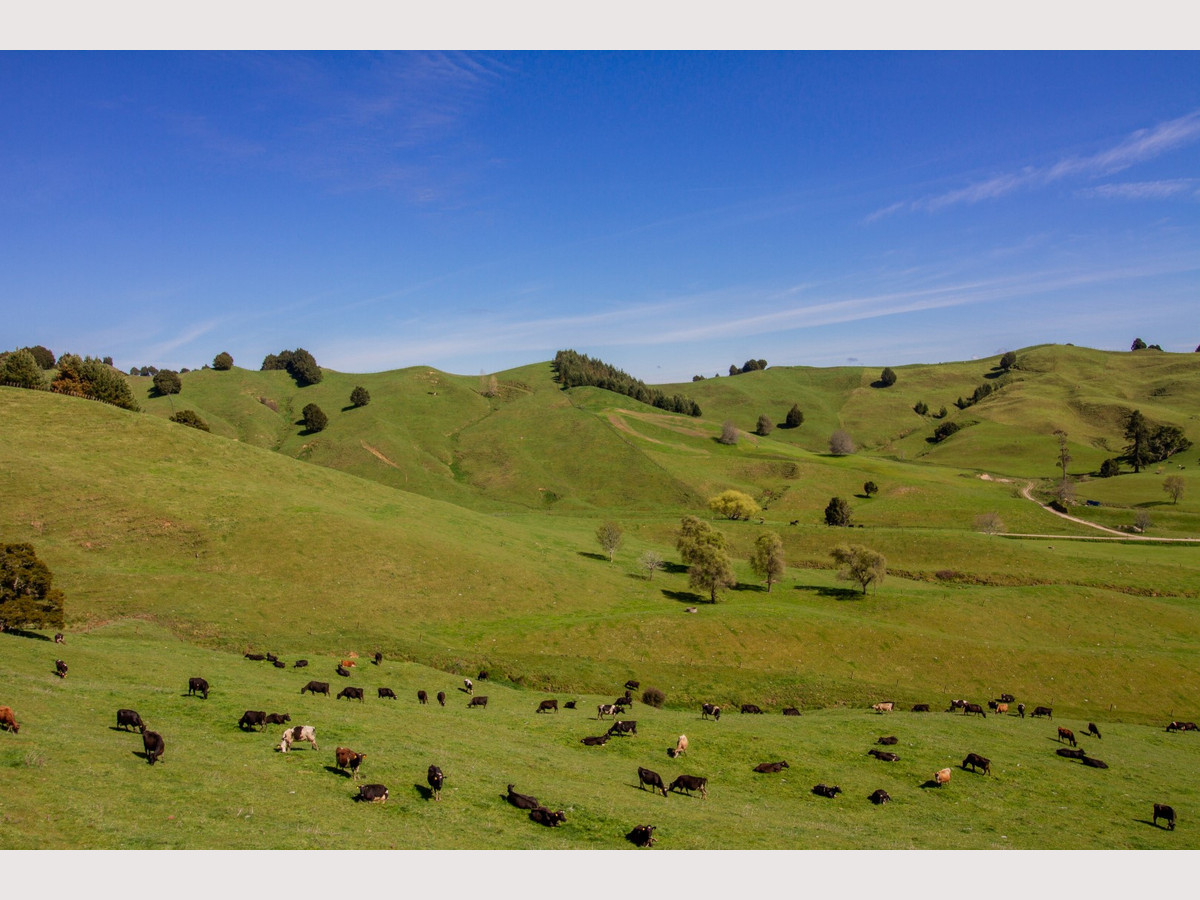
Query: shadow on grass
x=1153 y=824
x=836 y=593
x=931 y=783
x=425 y=791
x=741 y=587
x=334 y=770
x=21 y=632
x=685 y=597
x=587 y=555
x=674 y=568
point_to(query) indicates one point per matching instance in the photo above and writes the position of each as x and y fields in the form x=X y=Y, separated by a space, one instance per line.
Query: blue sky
x=671 y=213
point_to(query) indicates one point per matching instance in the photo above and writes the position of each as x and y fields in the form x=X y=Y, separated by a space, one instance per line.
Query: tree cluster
x=21 y=368
x=28 y=597
x=1139 y=344
x=944 y=431
x=921 y=408
x=576 y=370
x=1009 y=361
x=984 y=390
x=1149 y=443
x=91 y=378
x=298 y=363
x=750 y=365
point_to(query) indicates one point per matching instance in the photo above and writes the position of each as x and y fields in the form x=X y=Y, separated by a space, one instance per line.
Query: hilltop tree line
x=298 y=363
x=573 y=369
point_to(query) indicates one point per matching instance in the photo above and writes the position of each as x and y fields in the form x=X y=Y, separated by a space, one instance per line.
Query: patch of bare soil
x=377 y=454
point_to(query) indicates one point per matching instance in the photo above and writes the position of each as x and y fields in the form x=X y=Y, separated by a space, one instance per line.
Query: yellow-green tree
x=734 y=505
x=767 y=559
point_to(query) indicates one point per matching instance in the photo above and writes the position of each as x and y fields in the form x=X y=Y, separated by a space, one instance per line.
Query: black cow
x=378 y=658
x=128 y=718
x=599 y=741
x=251 y=718
x=1043 y=711
x=344 y=672
x=477 y=702
x=386 y=692
x=1021 y=710
x=543 y=816
x=278 y=719
x=622 y=728
x=751 y=709
x=689 y=783
x=888 y=741
x=316 y=687
x=60 y=668
x=154 y=745
x=992 y=704
x=1182 y=726
x=878 y=797
x=441 y=698
x=920 y=707
x=351 y=693
x=822 y=790
x=372 y=793
x=641 y=836
x=632 y=685
x=257 y=657
x=1007 y=698
x=521 y=801
x=974 y=708
x=271 y=657
x=570 y=704
x=708 y=709
x=1094 y=763
x=279 y=664
x=547 y=706
x=1162 y=811
x=772 y=766
x=1093 y=730
x=422 y=697
x=977 y=762
x=791 y=711
x=198 y=686
x=300 y=664
x=883 y=755
x=1071 y=754
x=647 y=777
x=436 y=779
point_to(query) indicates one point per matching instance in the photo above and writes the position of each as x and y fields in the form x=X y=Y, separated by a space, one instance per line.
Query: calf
x=422 y=697
x=436 y=779
x=791 y=711
x=153 y=743
x=883 y=755
x=126 y=719
x=1002 y=709
x=879 y=797
x=521 y=801
x=1093 y=730
x=689 y=783
x=278 y=719
x=886 y=706
x=298 y=733
x=974 y=708
x=772 y=766
x=9 y=721
x=468 y=686
x=1042 y=711
x=599 y=741
x=477 y=702
x=822 y=790
x=622 y=728
x=59 y=639
x=1162 y=811
x=300 y=664
x=350 y=693
x=251 y=718
x=709 y=709
x=60 y=668
x=548 y=706
x=647 y=777
x=1071 y=754
x=942 y=776
x=641 y=836
x=920 y=707
x=316 y=687
x=348 y=664
x=1094 y=763
x=344 y=672
x=386 y=692
x=543 y=816
x=372 y=793
x=348 y=759
x=441 y=698
x=198 y=686
x=977 y=762
x=1066 y=734
x=888 y=741
x=751 y=709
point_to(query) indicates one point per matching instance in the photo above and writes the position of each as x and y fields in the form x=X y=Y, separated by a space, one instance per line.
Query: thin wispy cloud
x=1143 y=190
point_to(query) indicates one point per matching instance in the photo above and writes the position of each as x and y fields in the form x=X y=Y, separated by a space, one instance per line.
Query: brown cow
x=772 y=767
x=347 y=758
x=942 y=776
x=977 y=762
x=642 y=835
x=547 y=706
x=348 y=664
x=436 y=779
x=60 y=668
x=1162 y=811
x=8 y=720
x=1002 y=709
x=1066 y=734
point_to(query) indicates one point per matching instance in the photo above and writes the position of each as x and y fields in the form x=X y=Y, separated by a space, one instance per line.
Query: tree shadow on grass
x=836 y=593
x=21 y=632
x=687 y=597
x=674 y=568
x=741 y=586
x=599 y=556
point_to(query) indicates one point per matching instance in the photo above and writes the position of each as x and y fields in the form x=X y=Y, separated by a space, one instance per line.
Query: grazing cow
x=60 y=668
x=298 y=733
x=1021 y=710
x=974 y=708
x=1093 y=730
x=250 y=718
x=548 y=706
x=957 y=704
x=689 y=783
x=316 y=687
x=1162 y=811
x=351 y=693
x=436 y=779
x=154 y=745
x=347 y=758
x=632 y=685
x=879 y=797
x=271 y=657
x=1002 y=709
x=942 y=776
x=470 y=687
x=1071 y=754
x=483 y=675
x=126 y=719
x=8 y=720
x=300 y=664
x=543 y=816
x=885 y=706
x=751 y=709
x=477 y=702
x=888 y=741
x=992 y=704
x=623 y=701
x=198 y=686
x=620 y=727
x=599 y=741
x=791 y=711
x=59 y=639
x=641 y=836
x=345 y=673
x=257 y=657
x=386 y=692
x=521 y=801
x=348 y=664
x=1182 y=726
x=570 y=704
x=647 y=777
x=920 y=707
x=441 y=698
x=977 y=762
x=709 y=709
x=1043 y=711
x=1066 y=734
x=1094 y=763
x=279 y=664
x=822 y=790
x=883 y=755
x=1007 y=698
x=378 y=658
x=680 y=747
x=278 y=719
x=372 y=793
x=422 y=697
x=772 y=766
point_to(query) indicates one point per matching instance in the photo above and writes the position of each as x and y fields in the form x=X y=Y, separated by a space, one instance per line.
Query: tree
x=751 y=365
x=42 y=356
x=651 y=561
x=1064 y=494
x=859 y=564
x=90 y=378
x=795 y=418
x=1141 y=521
x=359 y=397
x=1008 y=360
x=314 y=419
x=222 y=362
x=1137 y=432
x=838 y=513
x=767 y=559
x=1165 y=441
x=887 y=377
x=1064 y=455
x=28 y=597
x=191 y=419
x=609 y=536
x=21 y=368
x=694 y=534
x=711 y=569
x=1174 y=485
x=765 y=425
x=870 y=488
x=989 y=523
x=840 y=443
x=304 y=368
x=1109 y=468
x=729 y=434
x=167 y=382
x=734 y=370
x=1138 y=344
x=944 y=431
x=734 y=505
x=921 y=408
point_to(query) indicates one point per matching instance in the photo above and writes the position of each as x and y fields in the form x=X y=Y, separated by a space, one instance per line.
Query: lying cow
x=351 y=693
x=641 y=836
x=126 y=719
x=343 y=671
x=348 y=759
x=709 y=709
x=977 y=762
x=598 y=741
x=878 y=797
x=1071 y=754
x=436 y=779
x=888 y=741
x=300 y=664
x=647 y=777
x=253 y=718
x=257 y=657
x=477 y=702
x=883 y=755
x=372 y=793
x=198 y=686
x=632 y=685
x=348 y=664
x=271 y=657
x=751 y=709
x=1162 y=811
x=154 y=745
x=769 y=767
x=8 y=720
x=316 y=687
x=920 y=707
x=822 y=790
x=543 y=816
x=1094 y=763
x=521 y=801
x=1007 y=698
x=1182 y=726
x=547 y=706
x=299 y=733
x=689 y=783
x=791 y=711
x=278 y=719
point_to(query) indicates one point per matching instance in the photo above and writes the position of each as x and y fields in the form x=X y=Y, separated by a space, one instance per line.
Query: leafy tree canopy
x=222 y=362
x=860 y=564
x=767 y=559
x=360 y=396
x=838 y=513
x=765 y=425
x=795 y=418
x=22 y=369
x=28 y=598
x=576 y=369
x=1008 y=360
x=734 y=505
x=609 y=535
x=887 y=377
x=167 y=382
x=840 y=443
x=43 y=357
x=711 y=570
x=314 y=419
x=89 y=377
x=191 y=419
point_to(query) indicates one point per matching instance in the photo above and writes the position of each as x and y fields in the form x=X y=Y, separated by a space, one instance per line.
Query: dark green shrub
x=360 y=397
x=42 y=356
x=795 y=418
x=887 y=378
x=944 y=431
x=838 y=513
x=21 y=368
x=167 y=382
x=28 y=597
x=314 y=419
x=922 y=408
x=222 y=362
x=189 y=418
x=653 y=697
x=1109 y=468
